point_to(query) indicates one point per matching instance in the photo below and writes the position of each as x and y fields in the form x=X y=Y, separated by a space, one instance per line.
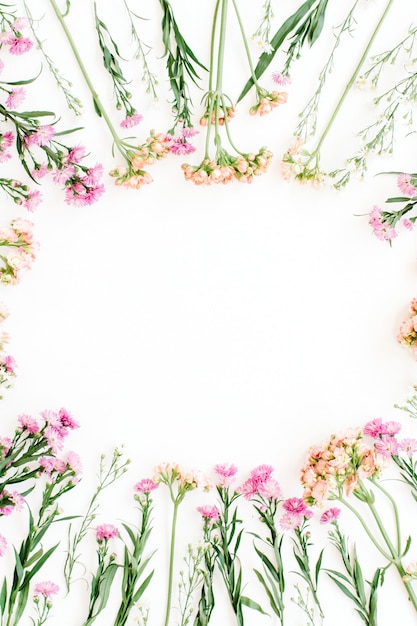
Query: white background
x=240 y=323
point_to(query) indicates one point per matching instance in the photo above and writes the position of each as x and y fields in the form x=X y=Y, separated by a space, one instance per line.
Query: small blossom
x=330 y=515
x=46 y=589
x=3 y=545
x=131 y=120
x=146 y=485
x=408 y=445
x=295 y=505
x=15 y=98
x=105 y=532
x=29 y=423
x=291 y=520
x=281 y=79
x=226 y=474
x=19 y=45
x=405 y=185
x=209 y=512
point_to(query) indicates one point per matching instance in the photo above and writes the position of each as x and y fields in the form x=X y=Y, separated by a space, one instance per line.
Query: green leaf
x=343 y=588
x=37 y=567
x=317 y=22
x=3 y=596
x=106 y=584
x=318 y=566
x=253 y=605
x=397 y=199
x=276 y=42
x=143 y=587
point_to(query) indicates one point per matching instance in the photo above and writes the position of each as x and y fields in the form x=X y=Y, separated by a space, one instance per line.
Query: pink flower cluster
x=336 y=467
x=10 y=501
x=54 y=467
x=82 y=184
x=227 y=168
x=261 y=484
x=380 y=227
x=131 y=120
x=407 y=334
x=7 y=362
x=295 y=513
x=57 y=426
x=18 y=239
x=16 y=42
x=6 y=140
x=180 y=145
x=386 y=442
x=132 y=175
x=104 y=532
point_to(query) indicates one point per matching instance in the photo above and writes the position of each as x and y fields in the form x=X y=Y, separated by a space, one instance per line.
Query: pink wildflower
x=76 y=154
x=391 y=428
x=19 y=45
x=15 y=502
x=105 y=532
x=74 y=464
x=249 y=489
x=226 y=474
x=146 y=485
x=9 y=363
x=66 y=419
x=386 y=446
x=209 y=512
x=46 y=589
x=408 y=224
x=329 y=516
x=3 y=545
x=295 y=505
x=93 y=175
x=270 y=489
x=32 y=200
x=290 y=520
x=41 y=137
x=6 y=140
x=281 y=79
x=405 y=186
x=374 y=428
x=40 y=171
x=5 y=444
x=261 y=473
x=26 y=422
x=131 y=120
x=382 y=231
x=19 y=24
x=63 y=174
x=408 y=445
x=15 y=98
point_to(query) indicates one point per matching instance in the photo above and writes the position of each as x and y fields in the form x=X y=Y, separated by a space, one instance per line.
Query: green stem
x=352 y=79
x=365 y=527
x=395 y=511
x=219 y=75
x=171 y=561
x=96 y=99
x=245 y=43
